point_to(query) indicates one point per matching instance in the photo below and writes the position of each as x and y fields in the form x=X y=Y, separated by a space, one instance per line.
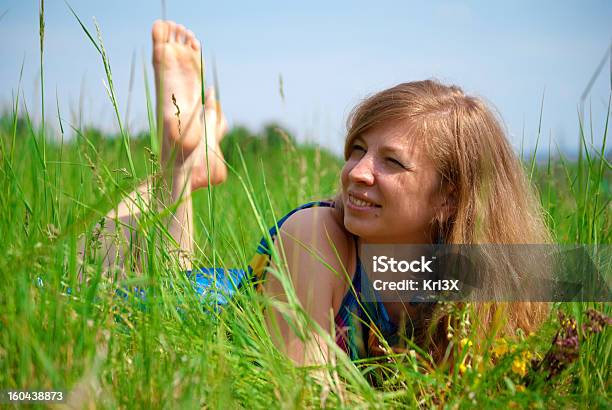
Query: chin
x=349 y=225
x=358 y=228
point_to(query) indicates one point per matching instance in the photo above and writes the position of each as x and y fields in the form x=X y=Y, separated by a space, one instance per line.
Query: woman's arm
x=315 y=251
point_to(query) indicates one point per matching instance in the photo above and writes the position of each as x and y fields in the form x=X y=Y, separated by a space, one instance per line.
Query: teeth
x=360 y=202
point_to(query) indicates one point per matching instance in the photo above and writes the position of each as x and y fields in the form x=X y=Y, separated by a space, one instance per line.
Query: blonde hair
x=493 y=202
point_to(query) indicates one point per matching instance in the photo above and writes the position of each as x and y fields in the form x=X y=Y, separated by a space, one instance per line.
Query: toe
x=159 y=32
x=189 y=36
x=195 y=44
x=180 y=34
x=191 y=40
x=171 y=31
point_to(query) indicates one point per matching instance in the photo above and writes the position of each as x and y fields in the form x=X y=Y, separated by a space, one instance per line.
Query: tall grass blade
x=153 y=136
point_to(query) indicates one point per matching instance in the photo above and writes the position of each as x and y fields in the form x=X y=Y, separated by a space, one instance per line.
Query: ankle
x=174 y=155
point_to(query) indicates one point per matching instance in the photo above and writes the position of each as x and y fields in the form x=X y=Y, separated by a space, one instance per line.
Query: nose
x=363 y=171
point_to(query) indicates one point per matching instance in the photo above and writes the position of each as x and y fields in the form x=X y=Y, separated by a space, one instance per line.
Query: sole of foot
x=190 y=138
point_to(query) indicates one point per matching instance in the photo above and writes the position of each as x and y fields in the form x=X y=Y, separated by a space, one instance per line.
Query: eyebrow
x=388 y=149
x=359 y=139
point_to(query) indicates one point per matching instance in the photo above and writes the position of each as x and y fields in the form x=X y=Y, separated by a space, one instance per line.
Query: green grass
x=166 y=351
x=170 y=350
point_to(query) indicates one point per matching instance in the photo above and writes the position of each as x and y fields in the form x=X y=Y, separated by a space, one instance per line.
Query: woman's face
x=390 y=187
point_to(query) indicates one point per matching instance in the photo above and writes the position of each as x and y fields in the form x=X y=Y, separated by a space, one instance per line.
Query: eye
x=356 y=148
x=395 y=162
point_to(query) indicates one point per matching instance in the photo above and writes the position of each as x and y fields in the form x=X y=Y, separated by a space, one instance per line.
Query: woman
x=424 y=164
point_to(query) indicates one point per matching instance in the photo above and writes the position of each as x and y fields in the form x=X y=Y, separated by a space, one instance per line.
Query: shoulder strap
x=264 y=248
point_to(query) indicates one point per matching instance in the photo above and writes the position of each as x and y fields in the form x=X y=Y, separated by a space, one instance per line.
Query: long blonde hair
x=493 y=200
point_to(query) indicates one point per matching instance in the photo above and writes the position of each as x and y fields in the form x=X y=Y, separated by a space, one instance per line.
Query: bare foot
x=216 y=128
x=176 y=61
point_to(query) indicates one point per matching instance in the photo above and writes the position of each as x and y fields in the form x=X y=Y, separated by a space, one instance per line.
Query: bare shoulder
x=316 y=248
x=317 y=228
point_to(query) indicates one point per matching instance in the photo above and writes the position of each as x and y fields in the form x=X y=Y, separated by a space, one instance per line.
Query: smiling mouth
x=361 y=203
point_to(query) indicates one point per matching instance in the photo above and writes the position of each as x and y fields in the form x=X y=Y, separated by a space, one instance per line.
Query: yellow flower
x=520 y=388
x=464 y=342
x=500 y=347
x=527 y=355
x=462 y=368
x=519 y=366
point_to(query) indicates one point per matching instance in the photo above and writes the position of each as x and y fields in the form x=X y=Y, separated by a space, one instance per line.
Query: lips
x=361 y=201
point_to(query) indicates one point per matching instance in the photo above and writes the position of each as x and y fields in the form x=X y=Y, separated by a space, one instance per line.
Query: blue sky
x=329 y=54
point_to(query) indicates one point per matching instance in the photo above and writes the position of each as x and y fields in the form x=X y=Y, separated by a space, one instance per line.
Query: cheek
x=411 y=199
x=346 y=169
